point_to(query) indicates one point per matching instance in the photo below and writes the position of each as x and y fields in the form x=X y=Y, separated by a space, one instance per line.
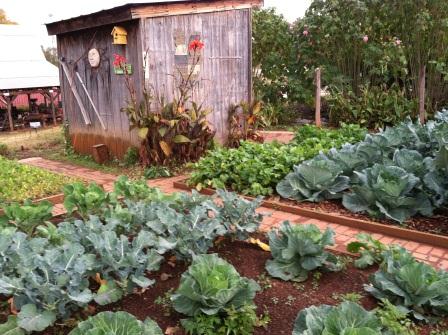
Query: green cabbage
x=210 y=286
x=298 y=249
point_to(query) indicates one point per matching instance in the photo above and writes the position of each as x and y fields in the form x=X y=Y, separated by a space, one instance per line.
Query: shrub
x=4 y=150
x=131 y=156
x=298 y=249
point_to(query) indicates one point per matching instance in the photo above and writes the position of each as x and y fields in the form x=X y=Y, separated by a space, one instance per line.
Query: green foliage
x=154 y=172
x=85 y=200
x=116 y=323
x=276 y=71
x=371 y=251
x=210 y=286
x=4 y=150
x=388 y=191
x=131 y=156
x=394 y=174
x=19 y=182
x=374 y=107
x=315 y=181
x=232 y=322
x=11 y=327
x=394 y=320
x=299 y=249
x=255 y=169
x=412 y=286
x=347 y=318
x=26 y=217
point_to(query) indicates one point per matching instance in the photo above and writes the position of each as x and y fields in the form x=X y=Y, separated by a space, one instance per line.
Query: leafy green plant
x=4 y=150
x=235 y=322
x=116 y=323
x=388 y=191
x=394 y=320
x=131 y=156
x=315 y=181
x=412 y=286
x=154 y=172
x=244 y=120
x=85 y=200
x=371 y=251
x=210 y=286
x=299 y=249
x=345 y=319
x=28 y=216
x=19 y=182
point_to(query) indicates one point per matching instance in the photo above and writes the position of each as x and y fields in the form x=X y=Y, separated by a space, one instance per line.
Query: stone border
x=370 y=226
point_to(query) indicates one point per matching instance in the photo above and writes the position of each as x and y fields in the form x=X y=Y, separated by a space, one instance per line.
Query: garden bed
x=280 y=299
x=418 y=229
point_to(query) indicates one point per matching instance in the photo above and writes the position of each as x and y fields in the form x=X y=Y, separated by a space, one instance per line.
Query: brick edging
x=373 y=227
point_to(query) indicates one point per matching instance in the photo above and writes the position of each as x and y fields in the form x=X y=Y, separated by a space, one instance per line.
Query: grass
x=22 y=139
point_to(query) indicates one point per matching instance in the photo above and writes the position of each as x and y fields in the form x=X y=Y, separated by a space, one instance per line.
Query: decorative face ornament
x=94 y=58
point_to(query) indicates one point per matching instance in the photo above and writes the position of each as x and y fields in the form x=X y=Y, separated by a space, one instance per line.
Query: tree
x=51 y=55
x=4 y=19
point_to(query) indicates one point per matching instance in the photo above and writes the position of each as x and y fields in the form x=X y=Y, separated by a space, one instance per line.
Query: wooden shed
x=93 y=94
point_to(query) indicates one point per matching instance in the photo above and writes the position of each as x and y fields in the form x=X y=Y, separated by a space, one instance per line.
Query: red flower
x=119 y=60
x=196 y=45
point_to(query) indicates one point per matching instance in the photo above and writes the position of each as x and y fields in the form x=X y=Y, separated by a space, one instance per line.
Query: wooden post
x=9 y=100
x=318 y=102
x=29 y=102
x=421 y=93
x=53 y=109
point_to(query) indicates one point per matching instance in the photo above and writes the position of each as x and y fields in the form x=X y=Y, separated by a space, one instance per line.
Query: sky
x=34 y=13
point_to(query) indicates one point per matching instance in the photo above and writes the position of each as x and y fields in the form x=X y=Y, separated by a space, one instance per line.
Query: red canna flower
x=119 y=60
x=196 y=45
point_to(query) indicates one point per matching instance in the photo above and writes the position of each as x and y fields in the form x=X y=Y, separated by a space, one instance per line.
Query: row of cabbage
x=116 y=239
x=394 y=174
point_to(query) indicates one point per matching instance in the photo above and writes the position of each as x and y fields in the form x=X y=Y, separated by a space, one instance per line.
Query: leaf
x=162 y=131
x=143 y=132
x=181 y=139
x=31 y=319
x=166 y=148
x=108 y=293
x=11 y=327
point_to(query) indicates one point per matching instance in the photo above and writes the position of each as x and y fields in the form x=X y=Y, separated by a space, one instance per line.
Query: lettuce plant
x=388 y=191
x=116 y=323
x=85 y=200
x=210 y=286
x=414 y=287
x=299 y=249
x=315 y=181
x=346 y=319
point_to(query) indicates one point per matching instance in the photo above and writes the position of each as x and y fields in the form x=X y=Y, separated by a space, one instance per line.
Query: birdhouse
x=120 y=35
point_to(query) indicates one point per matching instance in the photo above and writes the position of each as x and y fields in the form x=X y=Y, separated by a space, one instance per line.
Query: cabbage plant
x=116 y=323
x=412 y=286
x=315 y=181
x=388 y=191
x=346 y=319
x=298 y=249
x=210 y=286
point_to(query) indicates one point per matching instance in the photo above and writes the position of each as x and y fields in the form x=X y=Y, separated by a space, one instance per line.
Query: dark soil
x=437 y=224
x=281 y=300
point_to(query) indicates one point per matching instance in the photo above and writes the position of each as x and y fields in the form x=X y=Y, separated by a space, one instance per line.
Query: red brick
x=411 y=246
x=420 y=256
x=424 y=249
x=439 y=252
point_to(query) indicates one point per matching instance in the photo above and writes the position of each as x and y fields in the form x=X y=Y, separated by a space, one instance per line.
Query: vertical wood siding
x=225 y=76
x=108 y=91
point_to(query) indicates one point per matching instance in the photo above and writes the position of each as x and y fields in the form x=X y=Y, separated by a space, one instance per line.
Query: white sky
x=34 y=13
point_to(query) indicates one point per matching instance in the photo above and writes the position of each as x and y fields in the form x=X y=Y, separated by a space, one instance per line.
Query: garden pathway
x=435 y=256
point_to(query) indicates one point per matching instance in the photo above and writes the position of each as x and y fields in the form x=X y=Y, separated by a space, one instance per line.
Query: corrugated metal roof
x=22 y=63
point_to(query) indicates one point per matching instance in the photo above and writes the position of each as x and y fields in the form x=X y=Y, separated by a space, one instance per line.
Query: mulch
x=281 y=300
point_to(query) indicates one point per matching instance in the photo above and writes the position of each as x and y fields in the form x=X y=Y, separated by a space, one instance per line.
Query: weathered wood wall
x=225 y=76
x=107 y=89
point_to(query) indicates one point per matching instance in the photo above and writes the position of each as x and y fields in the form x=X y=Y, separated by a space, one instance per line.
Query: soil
x=437 y=224
x=281 y=300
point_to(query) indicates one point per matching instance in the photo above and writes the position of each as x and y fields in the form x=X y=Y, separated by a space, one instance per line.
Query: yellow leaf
x=166 y=148
x=143 y=132
x=262 y=245
x=181 y=139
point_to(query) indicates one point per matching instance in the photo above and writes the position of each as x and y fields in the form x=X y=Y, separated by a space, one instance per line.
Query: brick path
x=435 y=256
